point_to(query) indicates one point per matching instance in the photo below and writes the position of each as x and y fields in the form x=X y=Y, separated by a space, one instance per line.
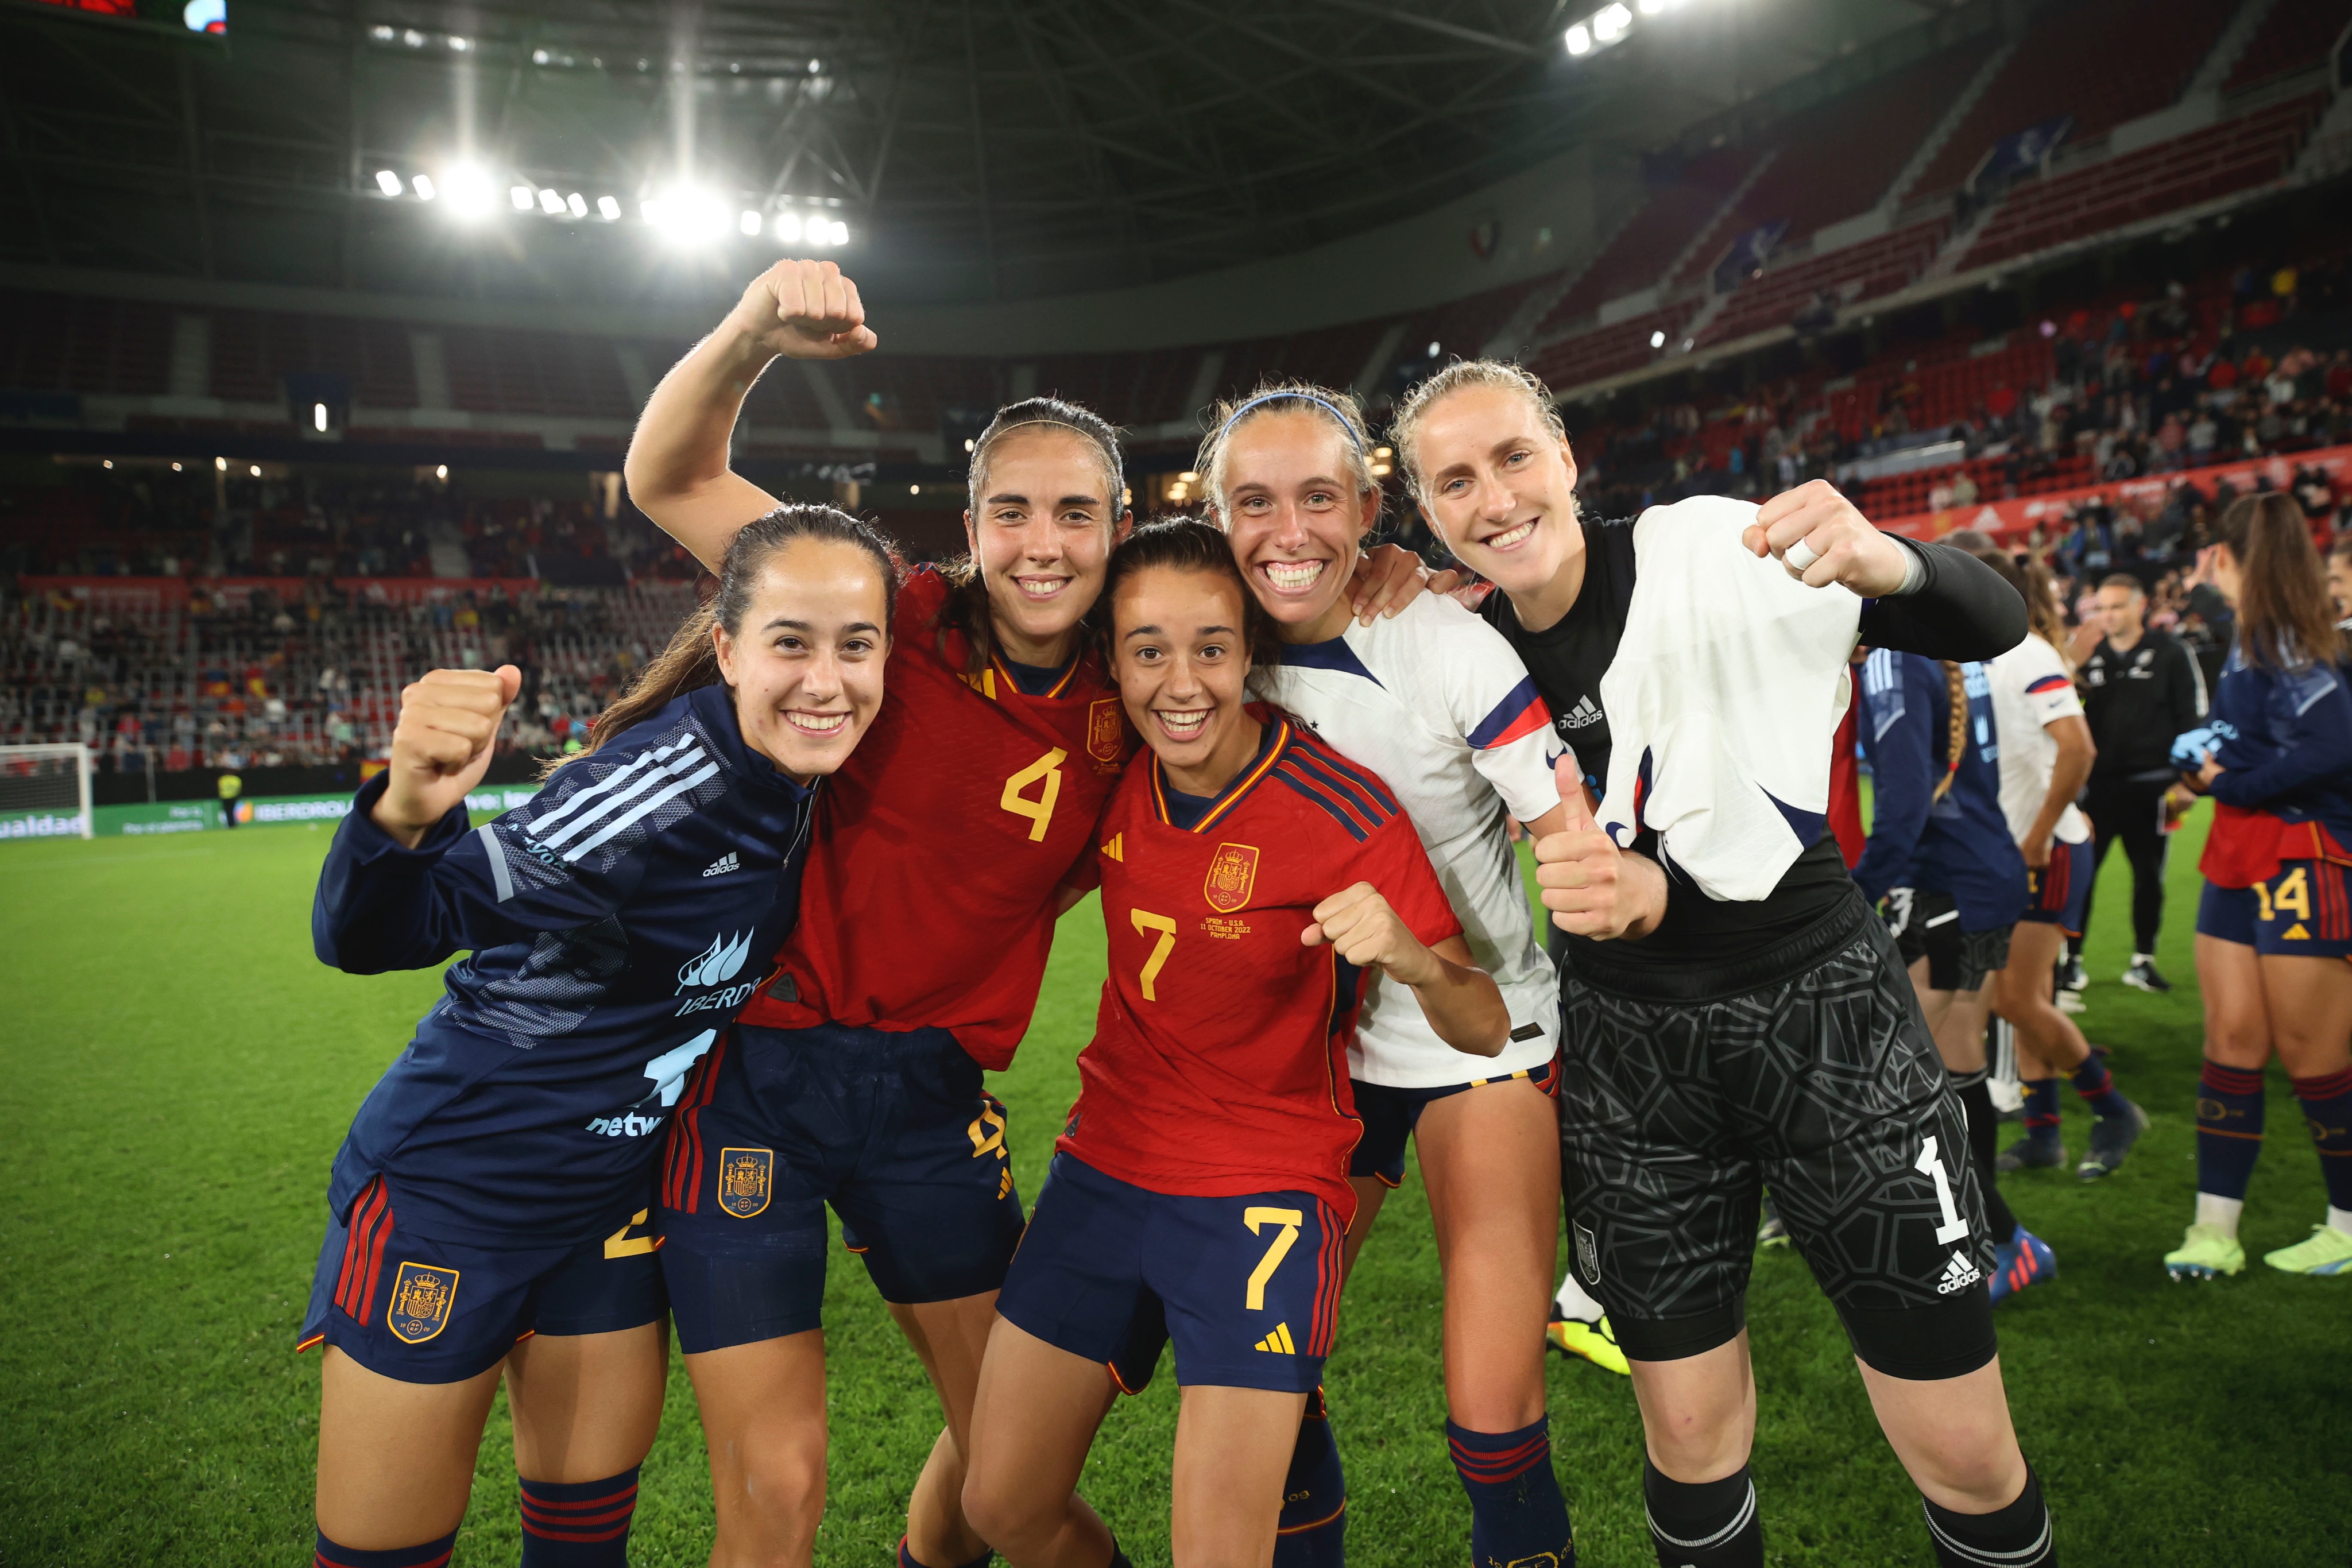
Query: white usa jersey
x=2030 y=689
x=1435 y=702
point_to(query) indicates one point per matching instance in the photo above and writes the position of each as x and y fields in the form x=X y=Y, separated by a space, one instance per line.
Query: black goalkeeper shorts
x=1810 y=1069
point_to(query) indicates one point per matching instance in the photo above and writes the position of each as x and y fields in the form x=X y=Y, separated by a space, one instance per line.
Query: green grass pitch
x=180 y=1069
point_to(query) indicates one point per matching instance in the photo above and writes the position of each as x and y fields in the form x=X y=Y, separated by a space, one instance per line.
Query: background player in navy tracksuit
x=489 y=1204
x=2274 y=926
x=1941 y=856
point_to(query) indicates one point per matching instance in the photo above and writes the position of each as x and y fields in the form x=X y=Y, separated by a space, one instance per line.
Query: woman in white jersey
x=1434 y=701
x=2045 y=756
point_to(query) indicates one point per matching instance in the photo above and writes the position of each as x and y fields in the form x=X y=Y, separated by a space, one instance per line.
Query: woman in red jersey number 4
x=856 y=1079
x=1252 y=878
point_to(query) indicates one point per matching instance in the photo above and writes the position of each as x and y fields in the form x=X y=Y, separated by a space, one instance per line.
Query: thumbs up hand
x=1592 y=887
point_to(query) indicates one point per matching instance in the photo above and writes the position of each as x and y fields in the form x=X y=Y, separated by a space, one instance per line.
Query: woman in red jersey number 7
x=855 y=1080
x=1252 y=879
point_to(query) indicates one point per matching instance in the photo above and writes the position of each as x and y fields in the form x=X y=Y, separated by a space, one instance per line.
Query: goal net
x=45 y=793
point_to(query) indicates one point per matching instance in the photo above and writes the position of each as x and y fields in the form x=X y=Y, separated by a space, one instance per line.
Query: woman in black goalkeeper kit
x=1715 y=1043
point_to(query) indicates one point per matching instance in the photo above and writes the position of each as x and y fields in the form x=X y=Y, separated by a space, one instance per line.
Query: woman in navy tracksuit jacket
x=488 y=1208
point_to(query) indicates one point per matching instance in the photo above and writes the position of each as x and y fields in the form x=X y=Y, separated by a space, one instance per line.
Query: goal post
x=45 y=793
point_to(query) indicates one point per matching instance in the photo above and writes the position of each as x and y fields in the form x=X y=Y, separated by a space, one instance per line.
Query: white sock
x=2339 y=1219
x=2143 y=958
x=2224 y=1212
x=1574 y=1304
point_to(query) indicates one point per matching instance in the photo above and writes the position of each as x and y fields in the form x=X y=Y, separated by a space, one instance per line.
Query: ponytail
x=691 y=660
x=1955 y=729
x=2284 y=619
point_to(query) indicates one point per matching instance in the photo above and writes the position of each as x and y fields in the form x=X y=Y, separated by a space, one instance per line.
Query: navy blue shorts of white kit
x=1247 y=1288
x=425 y=1310
x=1392 y=1114
x=895 y=1129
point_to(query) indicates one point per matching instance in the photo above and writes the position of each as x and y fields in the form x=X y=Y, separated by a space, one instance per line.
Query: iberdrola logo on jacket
x=716 y=964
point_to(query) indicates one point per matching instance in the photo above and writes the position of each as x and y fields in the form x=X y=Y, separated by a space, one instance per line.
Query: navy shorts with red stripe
x=894 y=1128
x=426 y=1311
x=1246 y=1286
x=1392 y=1114
x=2304 y=911
x=2057 y=893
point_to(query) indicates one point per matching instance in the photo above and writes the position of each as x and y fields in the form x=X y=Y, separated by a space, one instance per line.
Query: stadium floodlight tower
x=45 y=791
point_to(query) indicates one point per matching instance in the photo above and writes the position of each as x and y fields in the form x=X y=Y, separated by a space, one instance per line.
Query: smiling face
x=806 y=662
x=1182 y=659
x=1040 y=537
x=1295 y=518
x=1500 y=486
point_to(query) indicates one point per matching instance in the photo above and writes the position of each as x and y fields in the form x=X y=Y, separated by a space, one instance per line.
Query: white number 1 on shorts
x=1932 y=1164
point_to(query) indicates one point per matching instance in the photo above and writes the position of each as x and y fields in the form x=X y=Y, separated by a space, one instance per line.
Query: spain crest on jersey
x=422 y=1297
x=746 y=1178
x=1106 y=730
x=1232 y=872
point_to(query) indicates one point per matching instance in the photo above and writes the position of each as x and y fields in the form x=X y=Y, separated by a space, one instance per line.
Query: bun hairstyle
x=967 y=606
x=1338 y=409
x=691 y=660
x=1501 y=375
x=1185 y=544
x=2032 y=580
x=2284 y=619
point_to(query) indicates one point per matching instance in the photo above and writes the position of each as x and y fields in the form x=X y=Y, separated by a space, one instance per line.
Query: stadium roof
x=970 y=148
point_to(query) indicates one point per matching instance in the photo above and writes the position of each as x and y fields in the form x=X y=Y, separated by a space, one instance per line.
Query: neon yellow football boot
x=1595 y=1342
x=2328 y=1251
x=2205 y=1252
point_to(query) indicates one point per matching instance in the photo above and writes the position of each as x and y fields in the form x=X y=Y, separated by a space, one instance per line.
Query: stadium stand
x=1646 y=247
x=2153 y=181
x=78 y=343
x=253 y=353
x=1846 y=275
x=2102 y=61
x=554 y=374
x=2293 y=35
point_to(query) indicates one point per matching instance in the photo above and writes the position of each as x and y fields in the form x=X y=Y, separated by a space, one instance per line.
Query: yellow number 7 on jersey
x=1291 y=1219
x=1146 y=921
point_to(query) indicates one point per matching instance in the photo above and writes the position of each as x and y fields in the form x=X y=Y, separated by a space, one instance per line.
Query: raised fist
x=441 y=748
x=804 y=310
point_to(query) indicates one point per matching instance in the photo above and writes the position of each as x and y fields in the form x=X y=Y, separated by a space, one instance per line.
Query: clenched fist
x=1821 y=539
x=804 y=310
x=449 y=720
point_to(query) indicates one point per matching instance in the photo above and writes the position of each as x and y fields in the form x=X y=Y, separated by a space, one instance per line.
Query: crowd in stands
x=2128 y=388
x=241 y=678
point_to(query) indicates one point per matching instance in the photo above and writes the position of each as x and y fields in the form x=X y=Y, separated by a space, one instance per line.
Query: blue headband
x=1324 y=404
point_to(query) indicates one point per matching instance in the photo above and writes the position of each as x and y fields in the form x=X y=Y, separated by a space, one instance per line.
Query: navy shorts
x=893 y=1128
x=2057 y=893
x=1926 y=924
x=422 y=1310
x=2303 y=911
x=1246 y=1287
x=1392 y=1114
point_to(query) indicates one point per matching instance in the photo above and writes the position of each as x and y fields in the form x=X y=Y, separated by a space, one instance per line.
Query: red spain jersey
x=928 y=898
x=1219 y=1064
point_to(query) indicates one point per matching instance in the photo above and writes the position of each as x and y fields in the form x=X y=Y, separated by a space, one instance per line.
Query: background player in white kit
x=1434 y=702
x=2045 y=756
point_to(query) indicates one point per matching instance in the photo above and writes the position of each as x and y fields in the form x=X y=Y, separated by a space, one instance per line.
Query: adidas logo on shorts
x=1959 y=1275
x=723 y=864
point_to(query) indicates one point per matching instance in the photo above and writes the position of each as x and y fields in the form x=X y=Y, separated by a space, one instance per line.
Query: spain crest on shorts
x=1105 y=729
x=422 y=1297
x=746 y=1178
x=1233 y=871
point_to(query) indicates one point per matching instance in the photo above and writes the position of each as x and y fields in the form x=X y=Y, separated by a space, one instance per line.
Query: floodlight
x=1652 y=8
x=254 y=470
x=441 y=471
x=459 y=45
x=748 y=222
x=1658 y=338
x=1610 y=23
x=911 y=489
x=521 y=196
x=387 y=181
x=552 y=204
x=106 y=463
x=538 y=57
x=176 y=468
x=382 y=33
x=220 y=465
x=1579 y=39
x=608 y=209
x=576 y=204
x=1432 y=350
x=468 y=190
x=412 y=39
x=204 y=15
x=425 y=191
x=319 y=416
x=967 y=446
x=786 y=226
x=686 y=215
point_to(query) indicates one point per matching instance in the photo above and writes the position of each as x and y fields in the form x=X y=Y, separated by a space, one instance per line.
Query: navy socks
x=578 y=1524
x=2327 y=1107
x=432 y=1554
x=2229 y=1130
x=1313 y=1531
x=1516 y=1514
